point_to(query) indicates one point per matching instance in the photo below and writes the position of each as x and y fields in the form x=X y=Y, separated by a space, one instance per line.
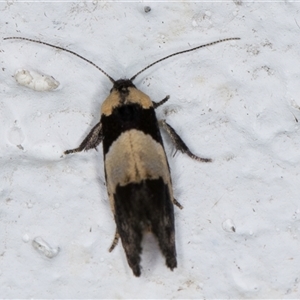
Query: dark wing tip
x=136 y=271
x=171 y=262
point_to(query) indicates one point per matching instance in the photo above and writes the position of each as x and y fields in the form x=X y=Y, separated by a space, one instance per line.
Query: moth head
x=123 y=93
x=121 y=86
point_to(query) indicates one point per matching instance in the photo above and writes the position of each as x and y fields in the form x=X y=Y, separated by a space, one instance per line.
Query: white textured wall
x=235 y=102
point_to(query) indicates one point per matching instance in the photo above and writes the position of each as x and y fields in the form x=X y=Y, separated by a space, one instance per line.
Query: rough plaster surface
x=236 y=102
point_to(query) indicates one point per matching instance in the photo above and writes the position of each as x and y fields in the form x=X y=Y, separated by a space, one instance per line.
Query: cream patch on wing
x=134 y=96
x=133 y=157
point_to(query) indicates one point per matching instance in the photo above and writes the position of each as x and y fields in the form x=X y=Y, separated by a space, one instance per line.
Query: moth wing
x=143 y=205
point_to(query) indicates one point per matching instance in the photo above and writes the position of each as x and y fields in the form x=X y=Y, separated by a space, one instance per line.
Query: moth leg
x=115 y=241
x=179 y=143
x=93 y=139
x=161 y=102
x=177 y=203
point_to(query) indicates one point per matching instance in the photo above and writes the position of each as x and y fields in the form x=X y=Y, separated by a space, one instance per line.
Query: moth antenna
x=60 y=48
x=181 y=52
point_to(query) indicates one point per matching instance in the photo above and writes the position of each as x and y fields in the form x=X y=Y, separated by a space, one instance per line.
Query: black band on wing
x=127 y=117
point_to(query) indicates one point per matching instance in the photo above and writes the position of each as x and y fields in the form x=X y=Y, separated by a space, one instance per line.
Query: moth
x=137 y=172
